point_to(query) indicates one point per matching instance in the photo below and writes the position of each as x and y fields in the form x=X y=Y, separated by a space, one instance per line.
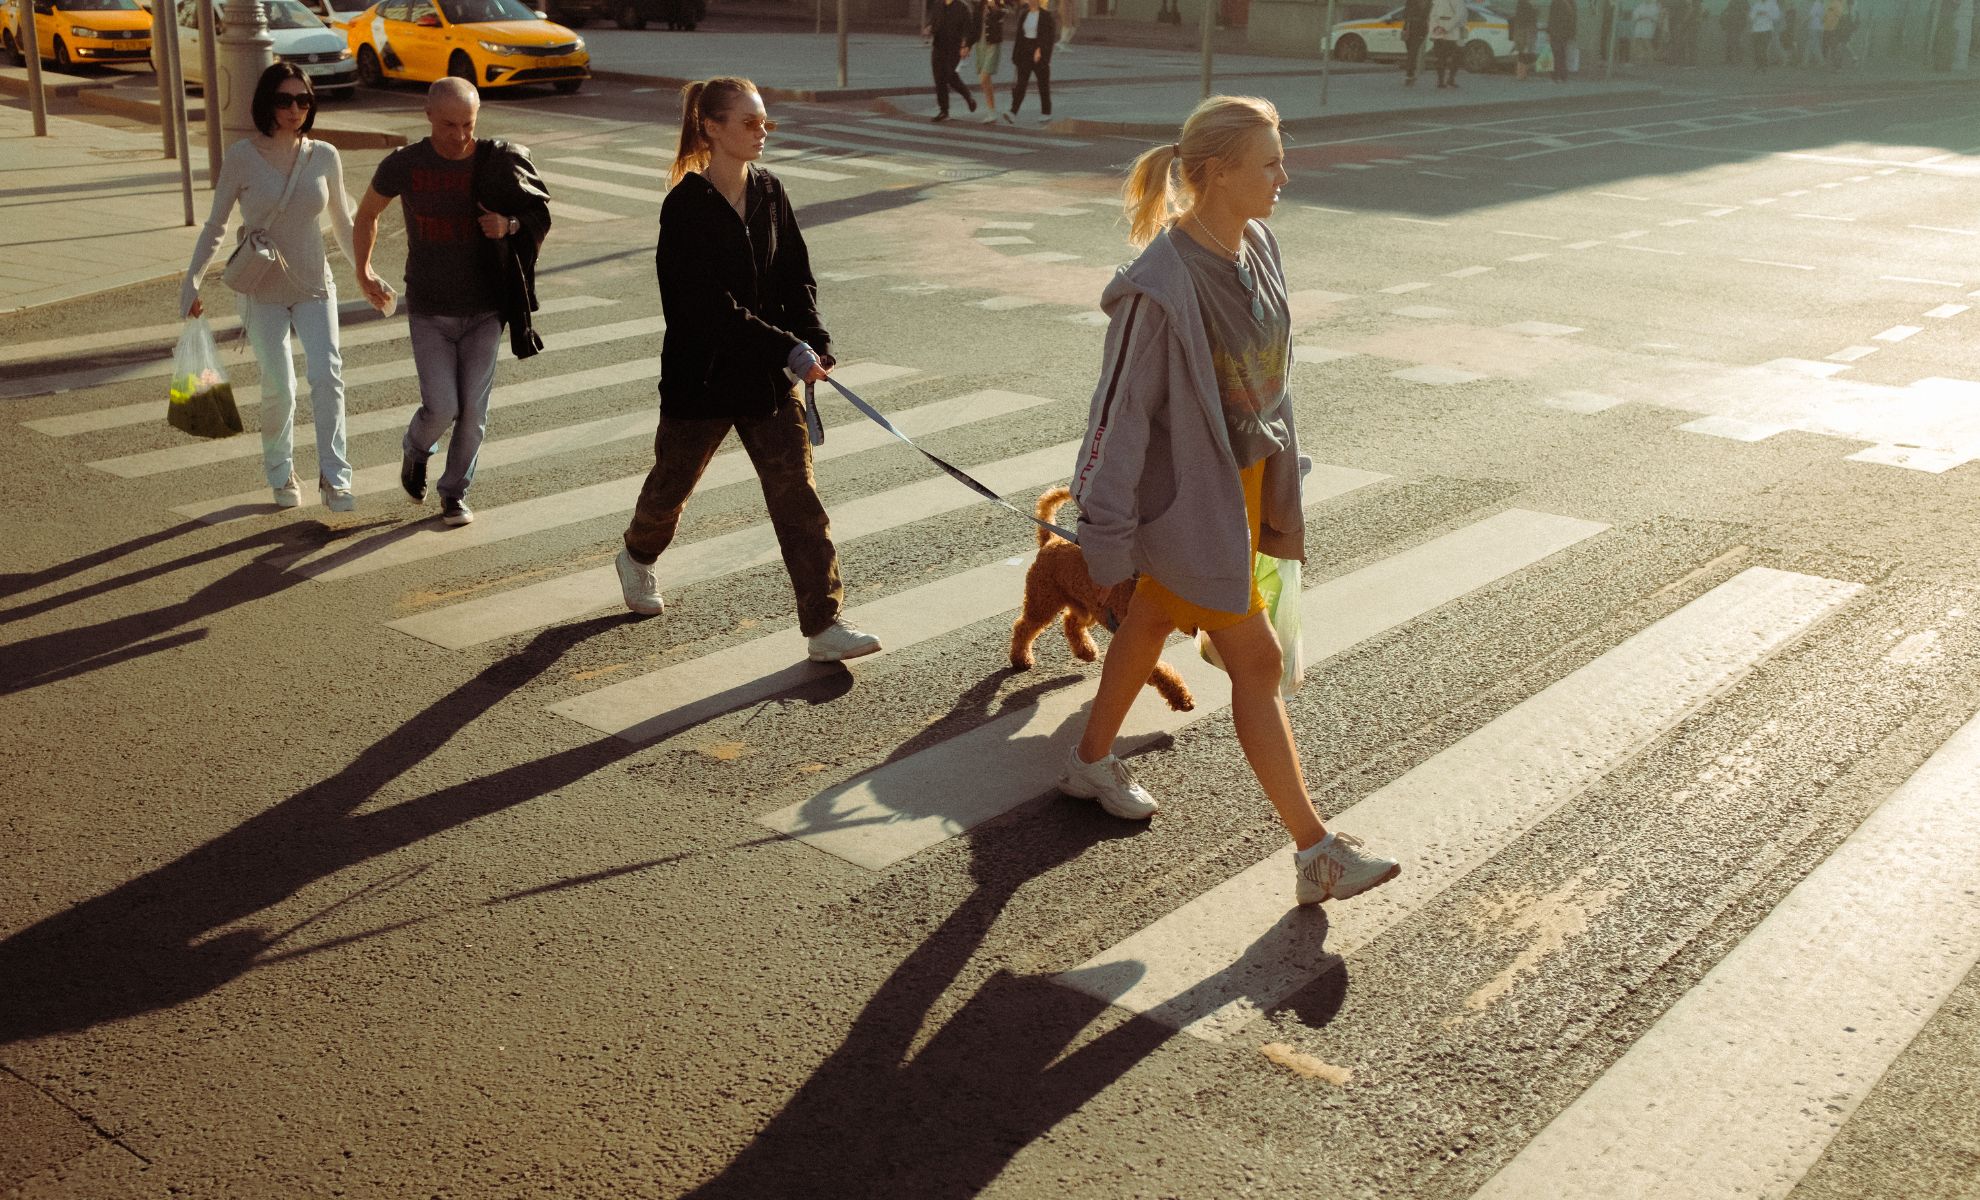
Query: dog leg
x=1076 y=625
x=1039 y=609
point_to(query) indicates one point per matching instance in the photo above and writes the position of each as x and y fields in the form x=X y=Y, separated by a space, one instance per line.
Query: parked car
x=1488 y=39
x=72 y=32
x=300 y=38
x=489 y=43
x=628 y=14
x=338 y=14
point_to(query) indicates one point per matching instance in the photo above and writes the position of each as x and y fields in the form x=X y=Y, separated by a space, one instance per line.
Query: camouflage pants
x=779 y=451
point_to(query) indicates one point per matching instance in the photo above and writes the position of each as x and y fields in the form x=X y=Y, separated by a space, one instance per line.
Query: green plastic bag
x=1278 y=582
x=202 y=401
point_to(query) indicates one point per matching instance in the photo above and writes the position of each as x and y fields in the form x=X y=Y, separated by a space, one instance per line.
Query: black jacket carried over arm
x=506 y=182
x=738 y=296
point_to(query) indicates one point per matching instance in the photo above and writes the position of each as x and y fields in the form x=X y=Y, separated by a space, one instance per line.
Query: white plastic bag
x=1278 y=581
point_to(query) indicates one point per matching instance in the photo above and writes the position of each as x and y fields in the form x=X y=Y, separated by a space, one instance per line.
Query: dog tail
x=1048 y=510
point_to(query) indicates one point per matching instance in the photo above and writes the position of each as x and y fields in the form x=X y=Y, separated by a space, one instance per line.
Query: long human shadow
x=943 y=1122
x=26 y=581
x=162 y=938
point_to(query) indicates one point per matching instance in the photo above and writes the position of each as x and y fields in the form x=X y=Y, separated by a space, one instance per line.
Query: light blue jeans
x=315 y=325
x=456 y=361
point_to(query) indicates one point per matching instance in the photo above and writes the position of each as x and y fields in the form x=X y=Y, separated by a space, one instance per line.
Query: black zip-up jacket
x=738 y=297
x=953 y=26
x=1048 y=34
x=1561 y=21
x=991 y=31
x=506 y=182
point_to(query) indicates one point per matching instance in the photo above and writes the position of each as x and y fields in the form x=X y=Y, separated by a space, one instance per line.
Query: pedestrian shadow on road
x=19 y=582
x=167 y=936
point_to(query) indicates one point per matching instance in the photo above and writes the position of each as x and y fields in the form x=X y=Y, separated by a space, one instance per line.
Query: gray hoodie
x=1156 y=481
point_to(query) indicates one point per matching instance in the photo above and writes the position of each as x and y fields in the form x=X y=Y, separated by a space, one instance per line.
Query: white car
x=338 y=14
x=300 y=38
x=1488 y=38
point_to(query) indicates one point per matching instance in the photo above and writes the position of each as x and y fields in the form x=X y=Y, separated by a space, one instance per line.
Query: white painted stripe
x=1850 y=354
x=1436 y=376
x=1944 y=229
x=1819 y=217
x=865 y=149
x=1541 y=329
x=661 y=702
x=1009 y=239
x=178 y=457
x=1466 y=272
x=1585 y=245
x=1946 y=311
x=1319 y=354
x=1628 y=234
x=1767 y=262
x=1677 y=221
x=1443 y=174
x=1418 y=221
x=1007 y=303
x=1339 y=212
x=1732 y=428
x=778 y=168
x=1016 y=225
x=1651 y=250
x=370 y=333
x=1535 y=187
x=980 y=135
x=923 y=139
x=112 y=339
x=783 y=154
x=571 y=596
x=616 y=497
x=1754 y=1070
x=1796 y=192
x=1618 y=196
x=1212 y=965
x=1354 y=166
x=910 y=804
x=1721 y=212
x=1529 y=257
x=564 y=210
x=1951 y=283
x=1046 y=256
x=1896 y=333
x=1404 y=288
x=1912 y=458
x=646 y=195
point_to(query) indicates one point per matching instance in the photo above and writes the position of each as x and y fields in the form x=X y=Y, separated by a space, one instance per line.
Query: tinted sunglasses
x=293 y=100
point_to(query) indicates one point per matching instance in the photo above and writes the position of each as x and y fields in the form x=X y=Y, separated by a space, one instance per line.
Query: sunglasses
x=757 y=125
x=293 y=100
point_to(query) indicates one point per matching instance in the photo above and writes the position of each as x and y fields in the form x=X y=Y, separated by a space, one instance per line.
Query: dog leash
x=957 y=473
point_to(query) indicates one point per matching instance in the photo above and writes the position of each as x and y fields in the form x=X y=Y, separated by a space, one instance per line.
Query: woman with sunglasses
x=1190 y=466
x=255 y=175
x=742 y=323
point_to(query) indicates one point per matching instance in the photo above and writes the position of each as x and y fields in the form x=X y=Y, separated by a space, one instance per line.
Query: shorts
x=1189 y=618
x=989 y=57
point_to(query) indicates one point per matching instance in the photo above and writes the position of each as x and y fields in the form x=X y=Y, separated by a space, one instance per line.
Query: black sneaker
x=941 y=116
x=412 y=476
x=455 y=511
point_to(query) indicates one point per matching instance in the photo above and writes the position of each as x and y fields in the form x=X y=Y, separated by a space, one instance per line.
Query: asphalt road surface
x=346 y=854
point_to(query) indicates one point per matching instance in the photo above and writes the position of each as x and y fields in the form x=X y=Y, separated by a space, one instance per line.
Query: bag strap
x=295 y=173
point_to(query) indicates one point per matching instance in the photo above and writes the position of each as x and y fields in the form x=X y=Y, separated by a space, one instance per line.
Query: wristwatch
x=515 y=226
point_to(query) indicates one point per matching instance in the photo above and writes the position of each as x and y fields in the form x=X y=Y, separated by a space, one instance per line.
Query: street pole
x=177 y=114
x=161 y=58
x=1615 y=27
x=1209 y=25
x=842 y=43
x=246 y=50
x=1326 y=50
x=209 y=70
x=31 y=45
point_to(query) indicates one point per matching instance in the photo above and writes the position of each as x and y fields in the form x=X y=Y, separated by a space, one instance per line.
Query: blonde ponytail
x=1217 y=129
x=702 y=101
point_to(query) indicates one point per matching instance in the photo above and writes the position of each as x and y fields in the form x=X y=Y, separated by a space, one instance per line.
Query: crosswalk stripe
x=557 y=179
x=987 y=133
x=1751 y=1073
x=923 y=139
x=117 y=416
x=564 y=210
x=616 y=497
x=782 y=168
x=912 y=803
x=812 y=139
x=111 y=339
x=194 y=454
x=660 y=702
x=1454 y=812
x=782 y=154
x=571 y=596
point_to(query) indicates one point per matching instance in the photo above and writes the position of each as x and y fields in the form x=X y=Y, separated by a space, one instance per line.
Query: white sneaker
x=289 y=495
x=1338 y=868
x=840 y=641
x=335 y=499
x=640 y=585
x=1111 y=783
x=989 y=116
x=1044 y=119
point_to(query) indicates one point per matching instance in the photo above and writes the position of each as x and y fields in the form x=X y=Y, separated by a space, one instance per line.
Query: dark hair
x=263 y=106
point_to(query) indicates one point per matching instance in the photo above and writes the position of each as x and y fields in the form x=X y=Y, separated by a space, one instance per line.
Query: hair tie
x=1175 y=148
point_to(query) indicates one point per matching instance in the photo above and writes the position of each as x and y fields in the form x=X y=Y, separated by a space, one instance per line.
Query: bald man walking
x=455 y=299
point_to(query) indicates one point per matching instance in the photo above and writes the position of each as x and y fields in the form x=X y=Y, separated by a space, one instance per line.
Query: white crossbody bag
x=256 y=264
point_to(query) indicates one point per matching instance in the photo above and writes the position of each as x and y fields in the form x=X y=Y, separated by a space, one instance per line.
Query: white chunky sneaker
x=640 y=585
x=840 y=641
x=1337 y=867
x=288 y=495
x=1111 y=783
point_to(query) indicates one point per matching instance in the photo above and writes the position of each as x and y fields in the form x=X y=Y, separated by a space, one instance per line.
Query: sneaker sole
x=1072 y=788
x=1393 y=871
x=832 y=658
x=457 y=522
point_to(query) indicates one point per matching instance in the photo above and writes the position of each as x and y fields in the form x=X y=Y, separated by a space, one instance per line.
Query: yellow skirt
x=1189 y=618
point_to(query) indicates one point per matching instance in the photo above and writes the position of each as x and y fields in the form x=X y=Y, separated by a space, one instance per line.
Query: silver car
x=300 y=38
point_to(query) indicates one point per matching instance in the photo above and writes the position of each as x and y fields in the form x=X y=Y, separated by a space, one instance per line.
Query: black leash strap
x=956 y=473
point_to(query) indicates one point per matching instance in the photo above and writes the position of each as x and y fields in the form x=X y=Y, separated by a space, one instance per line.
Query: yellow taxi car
x=489 y=43
x=73 y=32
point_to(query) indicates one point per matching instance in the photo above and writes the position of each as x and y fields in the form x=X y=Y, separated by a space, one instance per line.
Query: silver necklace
x=1246 y=279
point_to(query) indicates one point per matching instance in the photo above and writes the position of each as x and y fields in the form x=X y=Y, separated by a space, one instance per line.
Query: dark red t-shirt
x=448 y=269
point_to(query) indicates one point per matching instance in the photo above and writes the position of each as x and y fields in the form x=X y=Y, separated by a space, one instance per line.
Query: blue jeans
x=455 y=357
x=315 y=325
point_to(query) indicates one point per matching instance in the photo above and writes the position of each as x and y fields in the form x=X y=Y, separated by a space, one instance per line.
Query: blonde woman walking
x=1190 y=465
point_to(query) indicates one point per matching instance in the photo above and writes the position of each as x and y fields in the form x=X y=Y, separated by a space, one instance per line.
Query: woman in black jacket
x=742 y=321
x=1037 y=33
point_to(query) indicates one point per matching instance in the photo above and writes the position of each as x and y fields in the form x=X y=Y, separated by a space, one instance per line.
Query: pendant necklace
x=1245 y=278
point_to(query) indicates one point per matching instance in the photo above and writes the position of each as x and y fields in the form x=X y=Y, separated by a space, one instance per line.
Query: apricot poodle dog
x=1058 y=582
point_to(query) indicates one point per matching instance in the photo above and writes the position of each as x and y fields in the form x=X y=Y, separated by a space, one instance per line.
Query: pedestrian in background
x=285 y=182
x=1415 y=28
x=1446 y=36
x=1525 y=37
x=1733 y=24
x=1643 y=30
x=1562 y=21
x=456 y=293
x=1037 y=33
x=742 y=321
x=990 y=56
x=1840 y=52
x=953 y=30
x=1813 y=26
x=1781 y=49
x=1204 y=303
x=1761 y=17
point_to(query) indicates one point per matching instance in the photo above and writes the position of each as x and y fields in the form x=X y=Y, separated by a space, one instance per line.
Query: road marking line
x=1587 y=245
x=1339 y=212
x=1583 y=402
x=1618 y=196
x=1896 y=333
x=782 y=168
x=1945 y=311
x=1772 y=1051
x=1721 y=212
x=1767 y=262
x=1796 y=192
x=1418 y=221
x=1442 y=174
x=1651 y=250
x=1528 y=257
x=579 y=183
x=660 y=702
x=568 y=597
x=1466 y=272
x=1851 y=354
x=1010 y=239
x=1436 y=376
x=1944 y=229
x=1007 y=303
x=1424 y=312
x=1401 y=289
x=1238 y=950
x=922 y=139
x=1634 y=233
x=1912 y=458
x=1353 y=166
x=194 y=454
x=1543 y=237
x=1019 y=226
x=565 y=210
x=1819 y=217
x=1541 y=329
x=1951 y=283
x=1534 y=187
x=1045 y=256
x=890 y=813
x=926 y=158
x=1761 y=201
x=977 y=135
x=1674 y=223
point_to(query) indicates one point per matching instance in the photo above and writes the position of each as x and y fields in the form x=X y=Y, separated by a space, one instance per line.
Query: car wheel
x=62 y=60
x=1478 y=58
x=569 y=87
x=629 y=17
x=1350 y=49
x=370 y=74
x=460 y=66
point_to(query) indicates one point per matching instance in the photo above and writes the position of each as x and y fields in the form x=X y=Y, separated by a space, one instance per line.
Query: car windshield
x=98 y=5
x=474 y=12
x=289 y=14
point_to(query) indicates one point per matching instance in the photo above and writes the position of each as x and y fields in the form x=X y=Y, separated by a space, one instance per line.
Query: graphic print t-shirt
x=448 y=272
x=1247 y=352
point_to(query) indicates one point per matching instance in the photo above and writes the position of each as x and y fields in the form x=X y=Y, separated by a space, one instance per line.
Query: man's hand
x=374 y=288
x=493 y=225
